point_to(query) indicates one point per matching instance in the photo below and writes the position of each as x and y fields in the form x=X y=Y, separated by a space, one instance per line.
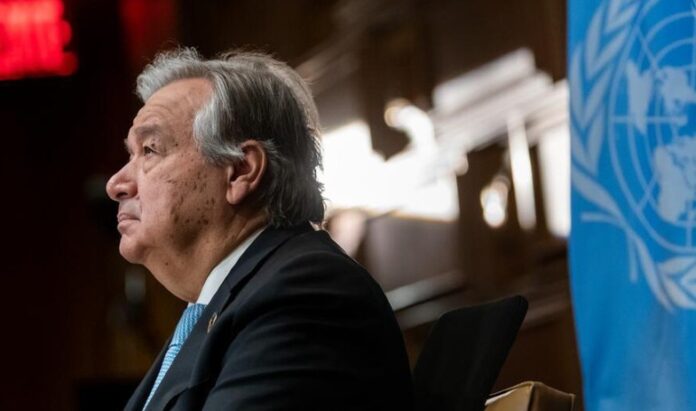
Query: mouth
x=124 y=220
x=123 y=217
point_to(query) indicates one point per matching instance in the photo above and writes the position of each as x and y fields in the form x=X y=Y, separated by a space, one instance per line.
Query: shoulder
x=311 y=326
x=312 y=266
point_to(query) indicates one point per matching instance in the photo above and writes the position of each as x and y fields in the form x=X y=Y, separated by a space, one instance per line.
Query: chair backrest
x=464 y=353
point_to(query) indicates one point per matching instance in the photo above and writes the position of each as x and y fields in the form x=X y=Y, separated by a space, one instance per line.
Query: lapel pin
x=211 y=322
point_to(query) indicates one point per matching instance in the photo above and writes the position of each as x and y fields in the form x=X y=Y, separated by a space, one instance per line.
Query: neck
x=184 y=271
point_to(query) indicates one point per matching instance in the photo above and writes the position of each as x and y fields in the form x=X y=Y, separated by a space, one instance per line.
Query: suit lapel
x=178 y=376
x=183 y=372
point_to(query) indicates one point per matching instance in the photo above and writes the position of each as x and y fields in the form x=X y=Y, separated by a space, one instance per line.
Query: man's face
x=169 y=196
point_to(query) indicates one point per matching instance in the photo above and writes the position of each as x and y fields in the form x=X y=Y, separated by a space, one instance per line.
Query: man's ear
x=244 y=177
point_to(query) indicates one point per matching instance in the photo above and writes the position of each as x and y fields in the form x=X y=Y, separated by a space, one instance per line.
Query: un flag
x=632 y=78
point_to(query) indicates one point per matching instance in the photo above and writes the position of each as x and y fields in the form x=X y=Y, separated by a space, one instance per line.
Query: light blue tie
x=188 y=319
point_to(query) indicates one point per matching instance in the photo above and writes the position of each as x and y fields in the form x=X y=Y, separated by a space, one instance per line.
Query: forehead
x=172 y=106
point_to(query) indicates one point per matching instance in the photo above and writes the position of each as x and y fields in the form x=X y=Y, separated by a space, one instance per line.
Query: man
x=216 y=201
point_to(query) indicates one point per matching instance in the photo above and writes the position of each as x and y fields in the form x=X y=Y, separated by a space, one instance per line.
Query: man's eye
x=148 y=150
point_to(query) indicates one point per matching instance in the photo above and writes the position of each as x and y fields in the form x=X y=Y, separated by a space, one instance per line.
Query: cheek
x=161 y=202
x=189 y=202
x=182 y=198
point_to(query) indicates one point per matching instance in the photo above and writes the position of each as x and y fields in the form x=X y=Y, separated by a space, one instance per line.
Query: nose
x=121 y=185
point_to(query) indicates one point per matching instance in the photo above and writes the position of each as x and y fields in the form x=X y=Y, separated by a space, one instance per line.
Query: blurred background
x=446 y=166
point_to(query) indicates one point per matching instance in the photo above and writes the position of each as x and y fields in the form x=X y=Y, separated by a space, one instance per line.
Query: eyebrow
x=142 y=132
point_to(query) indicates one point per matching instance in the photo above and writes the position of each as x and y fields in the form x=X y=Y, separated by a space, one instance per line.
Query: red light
x=148 y=25
x=33 y=35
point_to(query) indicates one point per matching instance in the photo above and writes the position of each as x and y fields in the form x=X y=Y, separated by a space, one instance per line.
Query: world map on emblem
x=652 y=126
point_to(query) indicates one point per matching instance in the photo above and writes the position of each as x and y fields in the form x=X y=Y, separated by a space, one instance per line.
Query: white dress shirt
x=219 y=273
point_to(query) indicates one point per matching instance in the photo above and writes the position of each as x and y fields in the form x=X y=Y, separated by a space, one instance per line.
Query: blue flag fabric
x=632 y=81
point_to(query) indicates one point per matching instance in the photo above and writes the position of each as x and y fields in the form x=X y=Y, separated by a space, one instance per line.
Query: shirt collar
x=220 y=272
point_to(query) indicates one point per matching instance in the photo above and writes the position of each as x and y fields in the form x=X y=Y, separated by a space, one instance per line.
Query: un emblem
x=633 y=100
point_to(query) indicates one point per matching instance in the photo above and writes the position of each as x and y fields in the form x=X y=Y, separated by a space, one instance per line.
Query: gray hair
x=260 y=98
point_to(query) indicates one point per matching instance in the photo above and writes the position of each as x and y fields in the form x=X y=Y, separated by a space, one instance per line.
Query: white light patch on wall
x=414 y=122
x=418 y=189
x=554 y=158
x=350 y=166
x=521 y=165
x=484 y=81
x=494 y=198
x=425 y=177
x=354 y=176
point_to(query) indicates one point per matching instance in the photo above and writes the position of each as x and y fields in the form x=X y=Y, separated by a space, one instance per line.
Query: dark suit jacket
x=299 y=326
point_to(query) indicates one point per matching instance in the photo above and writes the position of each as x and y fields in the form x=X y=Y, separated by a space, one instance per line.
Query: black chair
x=464 y=353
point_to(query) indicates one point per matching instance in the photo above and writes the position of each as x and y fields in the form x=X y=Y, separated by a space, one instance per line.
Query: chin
x=130 y=251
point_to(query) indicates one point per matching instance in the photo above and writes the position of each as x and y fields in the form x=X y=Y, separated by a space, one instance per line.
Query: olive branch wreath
x=673 y=282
